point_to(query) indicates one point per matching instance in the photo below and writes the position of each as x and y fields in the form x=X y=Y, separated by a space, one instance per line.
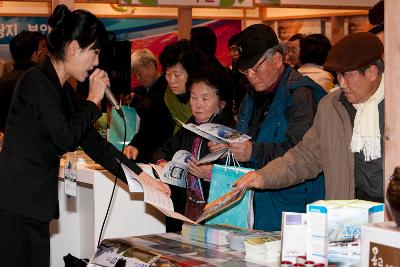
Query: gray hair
x=142 y=57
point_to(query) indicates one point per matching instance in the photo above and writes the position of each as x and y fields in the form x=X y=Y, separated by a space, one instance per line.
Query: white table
x=81 y=218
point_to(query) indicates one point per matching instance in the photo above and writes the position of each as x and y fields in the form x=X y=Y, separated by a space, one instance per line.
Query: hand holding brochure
x=164 y=203
x=216 y=132
x=175 y=171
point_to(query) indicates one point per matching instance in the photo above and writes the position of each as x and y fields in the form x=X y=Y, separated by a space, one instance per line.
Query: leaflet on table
x=175 y=171
x=164 y=203
x=216 y=132
x=294 y=235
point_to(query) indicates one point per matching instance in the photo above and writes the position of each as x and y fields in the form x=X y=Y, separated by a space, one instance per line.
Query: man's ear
x=372 y=72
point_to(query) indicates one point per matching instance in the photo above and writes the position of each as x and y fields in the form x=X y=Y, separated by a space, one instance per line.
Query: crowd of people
x=314 y=113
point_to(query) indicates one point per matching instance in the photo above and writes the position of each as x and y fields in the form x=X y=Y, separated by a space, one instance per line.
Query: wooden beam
x=337 y=29
x=392 y=92
x=184 y=22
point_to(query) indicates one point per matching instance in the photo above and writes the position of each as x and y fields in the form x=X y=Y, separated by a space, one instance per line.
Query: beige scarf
x=366 y=134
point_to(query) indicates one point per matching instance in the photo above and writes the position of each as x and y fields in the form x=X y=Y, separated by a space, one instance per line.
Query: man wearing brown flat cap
x=276 y=113
x=345 y=141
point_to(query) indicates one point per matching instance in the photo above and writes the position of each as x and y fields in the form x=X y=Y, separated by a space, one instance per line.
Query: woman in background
x=178 y=61
x=45 y=121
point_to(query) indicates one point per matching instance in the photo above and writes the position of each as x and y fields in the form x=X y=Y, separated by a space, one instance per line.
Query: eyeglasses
x=254 y=69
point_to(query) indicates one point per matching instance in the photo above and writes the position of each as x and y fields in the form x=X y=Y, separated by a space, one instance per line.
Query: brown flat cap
x=353 y=52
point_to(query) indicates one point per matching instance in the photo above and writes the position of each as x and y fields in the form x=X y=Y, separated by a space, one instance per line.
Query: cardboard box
x=334 y=229
x=380 y=244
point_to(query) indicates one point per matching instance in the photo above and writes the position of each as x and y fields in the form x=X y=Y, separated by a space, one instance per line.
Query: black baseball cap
x=253 y=42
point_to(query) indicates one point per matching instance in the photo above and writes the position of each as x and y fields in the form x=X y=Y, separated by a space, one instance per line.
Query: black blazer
x=45 y=121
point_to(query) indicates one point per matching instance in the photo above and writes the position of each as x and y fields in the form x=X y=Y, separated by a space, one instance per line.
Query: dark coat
x=7 y=84
x=183 y=140
x=156 y=124
x=45 y=121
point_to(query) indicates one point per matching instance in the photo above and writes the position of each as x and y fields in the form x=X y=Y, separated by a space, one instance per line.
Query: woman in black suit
x=45 y=121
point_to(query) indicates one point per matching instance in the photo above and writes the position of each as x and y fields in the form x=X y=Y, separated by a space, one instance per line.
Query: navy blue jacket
x=289 y=116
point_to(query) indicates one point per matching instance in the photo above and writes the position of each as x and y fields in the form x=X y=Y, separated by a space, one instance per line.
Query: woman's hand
x=131 y=152
x=98 y=81
x=201 y=171
x=212 y=146
x=162 y=163
x=156 y=184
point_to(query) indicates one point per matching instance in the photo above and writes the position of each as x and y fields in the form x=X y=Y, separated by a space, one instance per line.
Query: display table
x=81 y=217
x=168 y=249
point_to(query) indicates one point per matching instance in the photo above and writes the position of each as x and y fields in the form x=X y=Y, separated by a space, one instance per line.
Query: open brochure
x=175 y=171
x=164 y=203
x=216 y=132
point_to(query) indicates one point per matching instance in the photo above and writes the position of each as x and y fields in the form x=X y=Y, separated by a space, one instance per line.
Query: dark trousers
x=24 y=242
x=364 y=196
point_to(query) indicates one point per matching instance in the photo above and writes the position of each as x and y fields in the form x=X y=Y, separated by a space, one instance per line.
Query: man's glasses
x=254 y=69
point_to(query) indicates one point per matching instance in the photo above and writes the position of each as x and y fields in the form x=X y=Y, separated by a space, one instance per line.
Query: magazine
x=175 y=171
x=164 y=203
x=216 y=132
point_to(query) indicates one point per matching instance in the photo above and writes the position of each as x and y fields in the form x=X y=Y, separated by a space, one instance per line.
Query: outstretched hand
x=156 y=184
x=251 y=179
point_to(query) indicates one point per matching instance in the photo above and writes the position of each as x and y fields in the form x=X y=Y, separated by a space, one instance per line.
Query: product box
x=380 y=244
x=334 y=229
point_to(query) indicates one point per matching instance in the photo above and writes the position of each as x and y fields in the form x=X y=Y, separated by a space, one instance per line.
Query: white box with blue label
x=334 y=229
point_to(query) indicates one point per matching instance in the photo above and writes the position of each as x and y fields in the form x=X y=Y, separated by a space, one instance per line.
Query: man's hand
x=242 y=151
x=250 y=179
x=131 y=152
x=200 y=171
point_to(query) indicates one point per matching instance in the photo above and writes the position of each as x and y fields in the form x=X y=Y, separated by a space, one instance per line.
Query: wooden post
x=337 y=29
x=69 y=3
x=184 y=22
x=392 y=91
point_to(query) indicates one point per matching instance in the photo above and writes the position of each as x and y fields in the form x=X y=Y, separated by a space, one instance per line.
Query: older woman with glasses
x=276 y=114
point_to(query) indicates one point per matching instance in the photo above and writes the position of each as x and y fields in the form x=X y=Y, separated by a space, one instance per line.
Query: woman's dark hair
x=216 y=78
x=180 y=52
x=314 y=48
x=79 y=25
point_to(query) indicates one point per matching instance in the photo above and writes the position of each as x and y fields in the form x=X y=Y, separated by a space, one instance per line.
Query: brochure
x=164 y=203
x=216 y=132
x=175 y=171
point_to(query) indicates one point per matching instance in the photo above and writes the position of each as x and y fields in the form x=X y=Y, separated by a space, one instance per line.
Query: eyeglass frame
x=266 y=55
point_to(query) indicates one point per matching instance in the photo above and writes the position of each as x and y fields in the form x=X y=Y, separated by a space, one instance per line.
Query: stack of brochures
x=237 y=238
x=212 y=234
x=263 y=249
x=222 y=235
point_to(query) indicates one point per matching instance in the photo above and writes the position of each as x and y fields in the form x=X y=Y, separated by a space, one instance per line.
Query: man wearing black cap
x=345 y=141
x=276 y=114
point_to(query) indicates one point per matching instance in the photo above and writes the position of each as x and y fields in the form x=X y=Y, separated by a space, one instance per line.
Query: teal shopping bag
x=116 y=133
x=240 y=214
